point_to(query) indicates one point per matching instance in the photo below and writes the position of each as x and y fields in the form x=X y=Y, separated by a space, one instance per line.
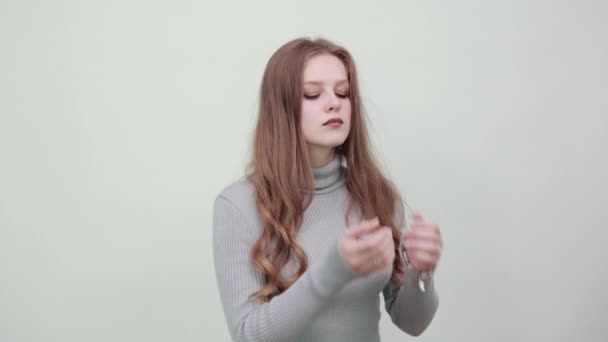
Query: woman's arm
x=284 y=317
x=411 y=309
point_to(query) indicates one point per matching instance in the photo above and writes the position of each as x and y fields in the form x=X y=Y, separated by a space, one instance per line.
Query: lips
x=334 y=120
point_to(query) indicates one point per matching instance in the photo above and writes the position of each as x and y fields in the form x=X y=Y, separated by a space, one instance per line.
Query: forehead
x=324 y=68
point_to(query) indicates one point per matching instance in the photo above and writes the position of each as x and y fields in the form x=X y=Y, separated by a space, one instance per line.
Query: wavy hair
x=281 y=171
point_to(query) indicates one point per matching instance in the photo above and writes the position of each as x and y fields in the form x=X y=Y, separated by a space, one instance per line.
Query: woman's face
x=326 y=97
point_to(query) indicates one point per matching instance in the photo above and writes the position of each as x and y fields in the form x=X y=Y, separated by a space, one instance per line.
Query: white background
x=121 y=120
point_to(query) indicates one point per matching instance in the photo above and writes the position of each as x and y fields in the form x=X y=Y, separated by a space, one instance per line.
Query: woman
x=304 y=245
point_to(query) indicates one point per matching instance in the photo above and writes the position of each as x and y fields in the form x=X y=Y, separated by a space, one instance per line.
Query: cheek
x=307 y=118
x=309 y=113
x=306 y=110
x=346 y=110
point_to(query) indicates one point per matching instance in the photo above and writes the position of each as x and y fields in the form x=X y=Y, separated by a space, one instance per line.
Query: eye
x=311 y=97
x=342 y=96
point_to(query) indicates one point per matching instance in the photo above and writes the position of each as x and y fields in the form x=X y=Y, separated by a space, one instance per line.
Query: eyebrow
x=321 y=82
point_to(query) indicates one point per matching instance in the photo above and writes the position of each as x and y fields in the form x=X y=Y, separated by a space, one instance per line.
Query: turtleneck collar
x=330 y=176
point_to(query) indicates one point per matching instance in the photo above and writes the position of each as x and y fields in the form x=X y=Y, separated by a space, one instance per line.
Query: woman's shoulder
x=240 y=194
x=239 y=197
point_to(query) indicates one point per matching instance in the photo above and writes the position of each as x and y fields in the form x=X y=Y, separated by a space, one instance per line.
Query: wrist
x=422 y=278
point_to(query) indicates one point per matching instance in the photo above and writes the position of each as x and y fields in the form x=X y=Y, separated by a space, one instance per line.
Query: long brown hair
x=281 y=171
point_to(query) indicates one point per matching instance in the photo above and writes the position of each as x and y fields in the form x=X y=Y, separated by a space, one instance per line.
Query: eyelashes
x=314 y=97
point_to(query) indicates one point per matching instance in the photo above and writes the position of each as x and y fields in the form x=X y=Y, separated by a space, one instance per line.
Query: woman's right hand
x=367 y=247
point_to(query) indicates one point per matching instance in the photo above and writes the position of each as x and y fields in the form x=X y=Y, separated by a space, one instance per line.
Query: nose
x=332 y=104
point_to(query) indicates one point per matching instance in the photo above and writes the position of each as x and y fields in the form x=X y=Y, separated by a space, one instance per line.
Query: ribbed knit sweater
x=330 y=301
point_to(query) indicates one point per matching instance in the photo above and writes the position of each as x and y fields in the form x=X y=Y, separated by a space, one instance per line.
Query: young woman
x=305 y=243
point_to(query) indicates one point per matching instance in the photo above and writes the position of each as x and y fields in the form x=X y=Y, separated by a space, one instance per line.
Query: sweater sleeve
x=410 y=309
x=285 y=315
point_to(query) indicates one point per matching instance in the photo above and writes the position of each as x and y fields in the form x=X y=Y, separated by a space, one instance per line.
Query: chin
x=332 y=142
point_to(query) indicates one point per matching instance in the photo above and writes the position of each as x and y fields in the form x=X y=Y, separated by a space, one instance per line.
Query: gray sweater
x=329 y=302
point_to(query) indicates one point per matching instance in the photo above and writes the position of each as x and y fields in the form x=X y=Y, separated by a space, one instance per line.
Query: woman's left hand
x=423 y=244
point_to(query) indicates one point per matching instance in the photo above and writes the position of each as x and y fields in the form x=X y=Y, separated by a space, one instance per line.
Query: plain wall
x=121 y=120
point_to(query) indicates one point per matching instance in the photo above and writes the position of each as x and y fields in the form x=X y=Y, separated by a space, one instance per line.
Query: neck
x=320 y=156
x=330 y=176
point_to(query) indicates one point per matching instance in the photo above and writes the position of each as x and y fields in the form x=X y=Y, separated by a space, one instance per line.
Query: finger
x=423 y=267
x=418 y=216
x=430 y=247
x=365 y=263
x=364 y=227
x=379 y=261
x=424 y=234
x=372 y=242
x=387 y=243
x=373 y=262
x=368 y=267
x=389 y=254
x=423 y=261
x=424 y=225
